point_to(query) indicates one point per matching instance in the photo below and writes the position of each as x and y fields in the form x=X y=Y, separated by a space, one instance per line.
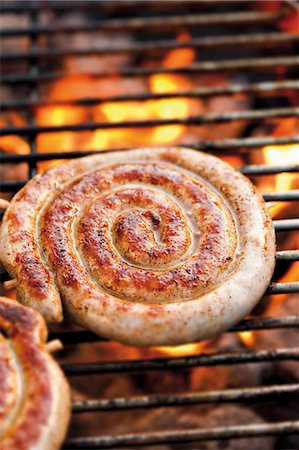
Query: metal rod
x=265 y=169
x=254 y=88
x=287 y=255
x=286 y=224
x=212 y=359
x=85 y=5
x=194 y=398
x=230 y=144
x=156 y=438
x=160 y=437
x=251 y=16
x=111 y=4
x=12 y=186
x=261 y=39
x=282 y=196
x=19 y=6
x=266 y=323
x=191 y=120
x=167 y=21
x=196 y=68
x=283 y=288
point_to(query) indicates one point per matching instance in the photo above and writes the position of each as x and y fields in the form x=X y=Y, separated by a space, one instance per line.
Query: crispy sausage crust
x=149 y=247
x=35 y=399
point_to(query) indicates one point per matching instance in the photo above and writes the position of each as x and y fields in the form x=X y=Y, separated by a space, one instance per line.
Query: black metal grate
x=191 y=14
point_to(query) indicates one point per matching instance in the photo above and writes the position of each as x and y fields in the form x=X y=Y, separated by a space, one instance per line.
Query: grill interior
x=259 y=57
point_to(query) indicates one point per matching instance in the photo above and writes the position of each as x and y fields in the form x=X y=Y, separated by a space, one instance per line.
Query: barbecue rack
x=232 y=18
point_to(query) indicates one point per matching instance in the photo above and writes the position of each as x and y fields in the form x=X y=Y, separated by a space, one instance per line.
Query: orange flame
x=13 y=144
x=79 y=87
x=69 y=88
x=247 y=337
x=182 y=350
x=281 y=154
x=83 y=87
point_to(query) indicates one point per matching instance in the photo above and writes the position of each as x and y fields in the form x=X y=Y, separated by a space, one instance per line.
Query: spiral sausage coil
x=35 y=399
x=148 y=247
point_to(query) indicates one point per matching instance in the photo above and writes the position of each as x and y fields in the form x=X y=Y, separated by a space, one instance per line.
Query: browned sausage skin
x=150 y=246
x=35 y=399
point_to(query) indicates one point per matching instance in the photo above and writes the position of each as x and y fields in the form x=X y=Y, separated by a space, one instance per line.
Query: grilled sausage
x=35 y=399
x=148 y=247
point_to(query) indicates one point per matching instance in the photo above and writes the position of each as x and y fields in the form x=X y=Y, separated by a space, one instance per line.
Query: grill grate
x=223 y=41
x=192 y=15
x=191 y=120
x=139 y=23
x=196 y=93
x=183 y=436
x=212 y=66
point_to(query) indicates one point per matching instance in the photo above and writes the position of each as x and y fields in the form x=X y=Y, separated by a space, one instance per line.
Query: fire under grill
x=255 y=49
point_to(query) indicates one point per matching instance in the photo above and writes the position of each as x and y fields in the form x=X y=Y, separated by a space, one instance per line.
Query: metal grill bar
x=229 y=395
x=265 y=169
x=267 y=323
x=229 y=144
x=83 y=5
x=282 y=196
x=12 y=186
x=190 y=120
x=234 y=89
x=261 y=39
x=161 y=437
x=164 y=22
x=197 y=68
x=283 y=288
x=286 y=225
x=212 y=359
x=287 y=255
x=20 y=6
